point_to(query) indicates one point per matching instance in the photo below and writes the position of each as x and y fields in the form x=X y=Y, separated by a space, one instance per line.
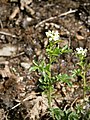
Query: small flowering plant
x=47 y=80
x=81 y=51
x=53 y=49
x=53 y=35
x=81 y=55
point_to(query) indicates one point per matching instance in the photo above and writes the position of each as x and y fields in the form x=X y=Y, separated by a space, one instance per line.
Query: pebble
x=8 y=50
x=25 y=65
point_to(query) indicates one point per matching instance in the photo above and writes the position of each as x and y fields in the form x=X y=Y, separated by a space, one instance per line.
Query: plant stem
x=84 y=85
x=84 y=82
x=50 y=86
x=49 y=97
x=50 y=101
x=50 y=89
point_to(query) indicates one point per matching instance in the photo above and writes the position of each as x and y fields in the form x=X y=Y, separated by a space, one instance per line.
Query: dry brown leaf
x=25 y=3
x=5 y=72
x=79 y=37
x=40 y=107
x=2 y=114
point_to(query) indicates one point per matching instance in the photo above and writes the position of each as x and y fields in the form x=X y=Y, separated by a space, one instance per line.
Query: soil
x=23 y=24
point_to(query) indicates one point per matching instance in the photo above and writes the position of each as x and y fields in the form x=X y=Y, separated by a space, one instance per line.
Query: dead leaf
x=25 y=3
x=79 y=37
x=40 y=106
x=5 y=72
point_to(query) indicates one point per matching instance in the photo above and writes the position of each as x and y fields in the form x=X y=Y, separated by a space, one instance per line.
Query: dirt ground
x=23 y=24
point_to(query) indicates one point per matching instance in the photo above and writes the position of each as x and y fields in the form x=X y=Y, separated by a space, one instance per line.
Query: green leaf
x=73 y=116
x=76 y=72
x=54 y=51
x=65 y=49
x=58 y=113
x=64 y=78
x=47 y=69
x=34 y=68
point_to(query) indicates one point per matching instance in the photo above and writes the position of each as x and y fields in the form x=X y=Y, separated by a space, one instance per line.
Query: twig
x=15 y=12
x=17 y=55
x=16 y=106
x=51 y=18
x=26 y=99
x=67 y=105
x=1 y=24
x=8 y=34
x=73 y=103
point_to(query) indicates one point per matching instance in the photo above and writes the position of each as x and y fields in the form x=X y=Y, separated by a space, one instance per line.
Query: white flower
x=49 y=33
x=81 y=51
x=53 y=35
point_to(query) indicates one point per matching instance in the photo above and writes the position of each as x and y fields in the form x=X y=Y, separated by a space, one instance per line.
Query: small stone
x=26 y=22
x=8 y=50
x=25 y=65
x=29 y=50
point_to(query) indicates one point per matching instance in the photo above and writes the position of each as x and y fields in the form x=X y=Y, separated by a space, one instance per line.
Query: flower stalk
x=46 y=79
x=81 y=54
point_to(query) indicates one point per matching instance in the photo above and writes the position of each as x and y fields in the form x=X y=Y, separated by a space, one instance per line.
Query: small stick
x=15 y=106
x=1 y=24
x=8 y=34
x=51 y=18
x=17 y=55
x=15 y=12
x=26 y=99
x=74 y=102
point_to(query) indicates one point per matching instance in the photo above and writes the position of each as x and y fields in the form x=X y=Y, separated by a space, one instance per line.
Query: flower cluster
x=53 y=35
x=81 y=51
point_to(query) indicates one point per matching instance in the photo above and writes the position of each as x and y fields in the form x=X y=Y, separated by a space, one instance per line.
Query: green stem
x=50 y=86
x=84 y=85
x=50 y=101
x=84 y=82
x=50 y=89
x=49 y=97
